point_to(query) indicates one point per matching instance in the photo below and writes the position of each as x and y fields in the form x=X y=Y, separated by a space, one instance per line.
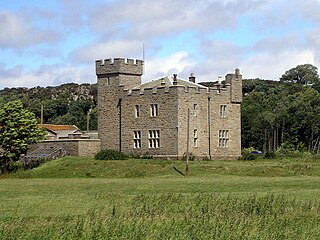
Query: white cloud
x=281 y=34
x=113 y=49
x=47 y=76
x=147 y=19
x=17 y=32
x=176 y=63
x=267 y=66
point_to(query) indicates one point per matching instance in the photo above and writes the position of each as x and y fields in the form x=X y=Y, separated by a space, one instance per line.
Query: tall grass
x=179 y=216
x=83 y=167
x=82 y=198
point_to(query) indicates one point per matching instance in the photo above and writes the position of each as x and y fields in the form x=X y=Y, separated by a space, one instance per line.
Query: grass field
x=82 y=198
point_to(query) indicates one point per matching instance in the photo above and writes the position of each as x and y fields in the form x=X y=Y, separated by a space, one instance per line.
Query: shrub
x=109 y=154
x=145 y=155
x=286 y=148
x=247 y=155
x=14 y=166
x=206 y=158
x=33 y=163
x=270 y=155
x=191 y=156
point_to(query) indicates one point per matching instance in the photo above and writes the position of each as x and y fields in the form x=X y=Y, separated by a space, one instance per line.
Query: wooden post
x=209 y=128
x=41 y=115
x=88 y=120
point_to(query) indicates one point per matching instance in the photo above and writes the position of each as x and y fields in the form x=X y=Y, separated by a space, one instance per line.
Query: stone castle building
x=169 y=116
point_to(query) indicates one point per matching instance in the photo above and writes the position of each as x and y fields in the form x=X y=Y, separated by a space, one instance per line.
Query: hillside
x=65 y=104
x=86 y=167
x=274 y=113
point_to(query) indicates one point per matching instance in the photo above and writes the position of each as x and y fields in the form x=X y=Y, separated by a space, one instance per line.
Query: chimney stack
x=237 y=71
x=175 y=82
x=192 y=78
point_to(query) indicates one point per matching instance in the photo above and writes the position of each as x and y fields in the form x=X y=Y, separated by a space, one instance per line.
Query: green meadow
x=83 y=198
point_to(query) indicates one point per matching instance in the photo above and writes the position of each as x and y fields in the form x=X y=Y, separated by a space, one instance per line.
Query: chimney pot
x=192 y=78
x=175 y=79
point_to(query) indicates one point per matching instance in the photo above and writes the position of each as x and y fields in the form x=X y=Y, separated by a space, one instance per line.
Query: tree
x=276 y=114
x=302 y=74
x=305 y=119
x=18 y=129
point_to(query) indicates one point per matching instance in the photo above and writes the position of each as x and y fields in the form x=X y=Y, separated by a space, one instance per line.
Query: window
x=137 y=139
x=194 y=109
x=154 y=138
x=108 y=81
x=195 y=138
x=154 y=110
x=223 y=138
x=223 y=110
x=137 y=111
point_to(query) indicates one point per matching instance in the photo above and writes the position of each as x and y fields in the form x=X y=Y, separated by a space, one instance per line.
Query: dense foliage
x=109 y=154
x=276 y=115
x=66 y=104
x=280 y=116
x=18 y=129
x=302 y=74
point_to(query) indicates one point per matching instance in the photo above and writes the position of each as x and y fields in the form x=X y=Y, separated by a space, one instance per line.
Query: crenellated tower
x=113 y=76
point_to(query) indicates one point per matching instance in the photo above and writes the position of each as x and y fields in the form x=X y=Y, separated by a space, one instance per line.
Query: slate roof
x=168 y=81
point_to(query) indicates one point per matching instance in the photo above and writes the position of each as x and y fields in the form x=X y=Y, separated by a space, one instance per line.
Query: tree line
x=282 y=114
x=274 y=114
x=66 y=104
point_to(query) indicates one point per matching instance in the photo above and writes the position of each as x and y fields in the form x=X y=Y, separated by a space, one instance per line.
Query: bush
x=191 y=156
x=33 y=163
x=109 y=154
x=14 y=166
x=270 y=155
x=247 y=155
x=286 y=149
x=145 y=155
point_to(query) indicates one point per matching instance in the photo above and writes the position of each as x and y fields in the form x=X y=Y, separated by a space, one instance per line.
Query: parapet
x=119 y=66
x=162 y=90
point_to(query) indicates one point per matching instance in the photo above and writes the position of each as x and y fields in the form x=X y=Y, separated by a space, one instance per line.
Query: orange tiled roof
x=54 y=127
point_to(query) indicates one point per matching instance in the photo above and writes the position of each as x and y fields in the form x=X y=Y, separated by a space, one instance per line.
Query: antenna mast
x=144 y=59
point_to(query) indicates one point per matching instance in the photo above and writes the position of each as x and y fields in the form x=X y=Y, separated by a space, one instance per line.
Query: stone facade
x=74 y=147
x=152 y=118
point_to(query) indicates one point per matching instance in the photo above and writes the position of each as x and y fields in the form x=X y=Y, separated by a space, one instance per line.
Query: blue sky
x=45 y=43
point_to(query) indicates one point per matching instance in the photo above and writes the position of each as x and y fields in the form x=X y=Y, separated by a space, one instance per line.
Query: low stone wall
x=74 y=147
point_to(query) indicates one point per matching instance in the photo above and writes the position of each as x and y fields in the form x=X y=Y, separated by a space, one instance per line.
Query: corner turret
x=235 y=81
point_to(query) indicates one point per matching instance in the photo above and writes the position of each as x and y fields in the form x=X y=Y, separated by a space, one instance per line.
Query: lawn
x=82 y=198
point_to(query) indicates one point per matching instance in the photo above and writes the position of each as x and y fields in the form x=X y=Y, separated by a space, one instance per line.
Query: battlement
x=119 y=66
x=161 y=90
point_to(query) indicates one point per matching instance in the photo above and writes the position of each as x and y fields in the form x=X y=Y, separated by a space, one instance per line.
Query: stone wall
x=165 y=121
x=113 y=77
x=229 y=122
x=115 y=82
x=74 y=147
x=196 y=100
x=208 y=121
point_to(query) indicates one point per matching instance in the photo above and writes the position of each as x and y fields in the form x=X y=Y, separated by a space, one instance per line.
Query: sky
x=52 y=42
